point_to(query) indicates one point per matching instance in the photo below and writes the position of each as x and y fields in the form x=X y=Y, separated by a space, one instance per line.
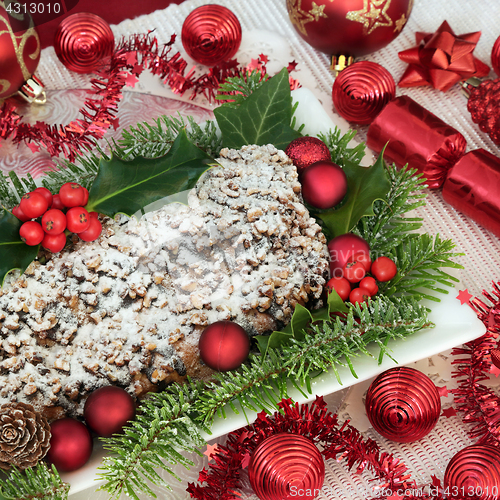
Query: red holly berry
x=72 y=194
x=359 y=295
x=364 y=258
x=341 y=286
x=93 y=231
x=33 y=205
x=354 y=271
x=54 y=242
x=31 y=233
x=46 y=193
x=53 y=221
x=57 y=203
x=85 y=196
x=384 y=269
x=369 y=284
x=17 y=212
x=77 y=219
x=95 y=215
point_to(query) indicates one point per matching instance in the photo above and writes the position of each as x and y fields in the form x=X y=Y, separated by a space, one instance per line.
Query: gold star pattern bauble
x=349 y=27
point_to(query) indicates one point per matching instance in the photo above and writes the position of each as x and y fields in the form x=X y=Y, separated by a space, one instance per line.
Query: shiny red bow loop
x=442 y=59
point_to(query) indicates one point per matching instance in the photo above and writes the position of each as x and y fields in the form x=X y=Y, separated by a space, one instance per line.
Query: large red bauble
x=286 y=467
x=304 y=151
x=403 y=404
x=324 y=184
x=211 y=34
x=19 y=51
x=224 y=345
x=108 y=409
x=70 y=445
x=349 y=27
x=342 y=248
x=474 y=473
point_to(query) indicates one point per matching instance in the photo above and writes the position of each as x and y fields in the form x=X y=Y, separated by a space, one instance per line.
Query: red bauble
x=361 y=91
x=70 y=445
x=474 y=473
x=342 y=248
x=349 y=27
x=211 y=34
x=324 y=185
x=495 y=56
x=108 y=409
x=224 y=346
x=304 y=151
x=403 y=404
x=19 y=51
x=285 y=467
x=82 y=40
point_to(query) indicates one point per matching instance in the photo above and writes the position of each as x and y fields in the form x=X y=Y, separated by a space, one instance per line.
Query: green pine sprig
x=38 y=482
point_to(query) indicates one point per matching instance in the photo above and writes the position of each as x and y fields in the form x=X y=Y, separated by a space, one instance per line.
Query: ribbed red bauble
x=19 y=51
x=324 y=184
x=286 y=467
x=70 y=445
x=403 y=404
x=304 y=151
x=224 y=346
x=342 y=248
x=349 y=27
x=474 y=473
x=211 y=34
x=108 y=409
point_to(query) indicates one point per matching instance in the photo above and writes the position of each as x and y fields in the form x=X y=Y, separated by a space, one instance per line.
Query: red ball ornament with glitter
x=19 y=51
x=70 y=445
x=224 y=346
x=474 y=473
x=361 y=91
x=349 y=27
x=82 y=40
x=211 y=34
x=403 y=405
x=304 y=151
x=324 y=185
x=108 y=409
x=285 y=467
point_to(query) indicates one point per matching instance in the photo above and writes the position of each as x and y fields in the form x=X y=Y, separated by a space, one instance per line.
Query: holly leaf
x=14 y=254
x=263 y=118
x=128 y=186
x=364 y=186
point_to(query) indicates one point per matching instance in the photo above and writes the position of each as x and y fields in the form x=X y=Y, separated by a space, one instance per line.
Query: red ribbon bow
x=442 y=59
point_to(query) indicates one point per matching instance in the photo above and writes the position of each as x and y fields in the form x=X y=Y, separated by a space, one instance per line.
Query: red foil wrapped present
x=473 y=188
x=416 y=137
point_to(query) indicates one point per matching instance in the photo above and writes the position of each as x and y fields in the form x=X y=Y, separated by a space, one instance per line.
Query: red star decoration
x=449 y=412
x=131 y=80
x=494 y=370
x=34 y=147
x=435 y=481
x=291 y=66
x=211 y=450
x=116 y=123
x=464 y=296
x=138 y=69
x=443 y=391
x=131 y=58
x=264 y=58
x=245 y=461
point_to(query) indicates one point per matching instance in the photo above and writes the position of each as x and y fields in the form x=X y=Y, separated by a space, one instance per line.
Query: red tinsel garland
x=129 y=59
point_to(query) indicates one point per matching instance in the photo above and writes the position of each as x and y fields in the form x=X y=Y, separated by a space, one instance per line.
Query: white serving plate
x=455 y=325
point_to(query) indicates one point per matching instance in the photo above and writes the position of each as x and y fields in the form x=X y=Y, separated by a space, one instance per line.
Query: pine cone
x=24 y=436
x=483 y=105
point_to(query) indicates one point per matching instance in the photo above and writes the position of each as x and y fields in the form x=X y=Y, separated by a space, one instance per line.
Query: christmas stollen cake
x=128 y=308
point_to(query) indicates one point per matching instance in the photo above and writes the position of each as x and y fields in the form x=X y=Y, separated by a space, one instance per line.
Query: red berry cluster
x=355 y=273
x=56 y=214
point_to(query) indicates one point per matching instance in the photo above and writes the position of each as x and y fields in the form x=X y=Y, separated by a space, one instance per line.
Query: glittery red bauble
x=108 y=409
x=495 y=56
x=342 y=248
x=285 y=467
x=324 y=184
x=224 y=345
x=304 y=151
x=403 y=404
x=361 y=91
x=70 y=445
x=19 y=51
x=211 y=34
x=349 y=27
x=474 y=473
x=82 y=40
